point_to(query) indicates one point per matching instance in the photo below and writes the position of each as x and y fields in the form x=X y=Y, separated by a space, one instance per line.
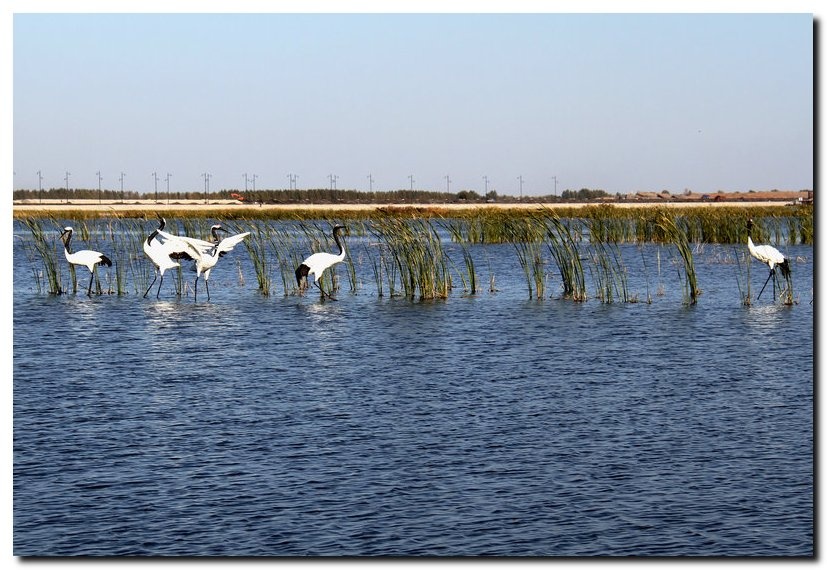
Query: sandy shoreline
x=33 y=206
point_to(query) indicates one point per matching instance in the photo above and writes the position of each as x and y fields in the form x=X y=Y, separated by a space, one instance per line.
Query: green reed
x=564 y=236
x=527 y=235
x=457 y=229
x=744 y=290
x=609 y=272
x=677 y=236
x=645 y=275
x=256 y=244
x=407 y=257
x=376 y=267
x=43 y=243
x=416 y=249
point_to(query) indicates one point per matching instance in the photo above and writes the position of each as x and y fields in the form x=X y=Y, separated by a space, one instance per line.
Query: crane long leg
x=207 y=285
x=320 y=288
x=765 y=285
x=161 y=284
x=324 y=293
x=153 y=283
x=195 y=298
x=91 y=278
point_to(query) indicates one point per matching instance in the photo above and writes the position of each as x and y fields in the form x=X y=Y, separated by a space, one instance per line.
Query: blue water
x=487 y=424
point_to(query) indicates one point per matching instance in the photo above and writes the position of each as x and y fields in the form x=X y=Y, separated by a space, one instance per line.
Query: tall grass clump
x=128 y=255
x=527 y=234
x=416 y=249
x=608 y=271
x=455 y=228
x=563 y=245
x=257 y=248
x=677 y=236
x=43 y=244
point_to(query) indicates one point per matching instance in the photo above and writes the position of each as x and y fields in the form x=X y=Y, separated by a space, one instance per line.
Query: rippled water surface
x=489 y=424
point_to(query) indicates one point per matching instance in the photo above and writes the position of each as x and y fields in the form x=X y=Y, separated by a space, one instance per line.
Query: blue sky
x=619 y=102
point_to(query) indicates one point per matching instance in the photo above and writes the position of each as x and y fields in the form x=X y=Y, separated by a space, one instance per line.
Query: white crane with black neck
x=319 y=262
x=86 y=257
x=770 y=256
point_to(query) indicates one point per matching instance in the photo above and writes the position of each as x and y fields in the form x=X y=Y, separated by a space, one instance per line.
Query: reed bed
x=678 y=236
x=416 y=248
x=609 y=272
x=455 y=228
x=421 y=254
x=486 y=225
x=564 y=239
x=42 y=247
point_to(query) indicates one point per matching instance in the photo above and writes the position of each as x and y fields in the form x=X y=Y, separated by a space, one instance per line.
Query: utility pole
x=99 y=186
x=121 y=179
x=485 y=178
x=168 y=176
x=67 y=186
x=333 y=179
x=411 y=178
x=370 y=182
x=254 y=182
x=40 y=186
x=520 y=178
x=206 y=176
x=245 y=181
x=155 y=176
x=555 y=184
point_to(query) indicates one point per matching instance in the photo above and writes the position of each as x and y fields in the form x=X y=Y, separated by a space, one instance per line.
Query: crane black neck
x=66 y=237
x=336 y=232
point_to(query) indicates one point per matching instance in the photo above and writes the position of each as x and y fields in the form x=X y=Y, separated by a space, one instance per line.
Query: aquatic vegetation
x=421 y=253
x=563 y=246
x=43 y=246
x=469 y=278
x=416 y=248
x=677 y=236
x=609 y=272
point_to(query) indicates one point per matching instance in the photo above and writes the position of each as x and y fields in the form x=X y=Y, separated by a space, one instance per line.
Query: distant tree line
x=583 y=194
x=306 y=196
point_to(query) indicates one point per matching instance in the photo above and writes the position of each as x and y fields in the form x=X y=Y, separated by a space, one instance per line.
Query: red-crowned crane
x=769 y=255
x=318 y=262
x=209 y=257
x=165 y=250
x=85 y=257
x=204 y=253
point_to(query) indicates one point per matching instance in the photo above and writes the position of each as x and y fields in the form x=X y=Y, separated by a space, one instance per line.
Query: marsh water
x=485 y=424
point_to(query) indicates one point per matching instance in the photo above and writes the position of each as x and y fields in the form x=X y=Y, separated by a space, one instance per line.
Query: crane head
x=66 y=234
